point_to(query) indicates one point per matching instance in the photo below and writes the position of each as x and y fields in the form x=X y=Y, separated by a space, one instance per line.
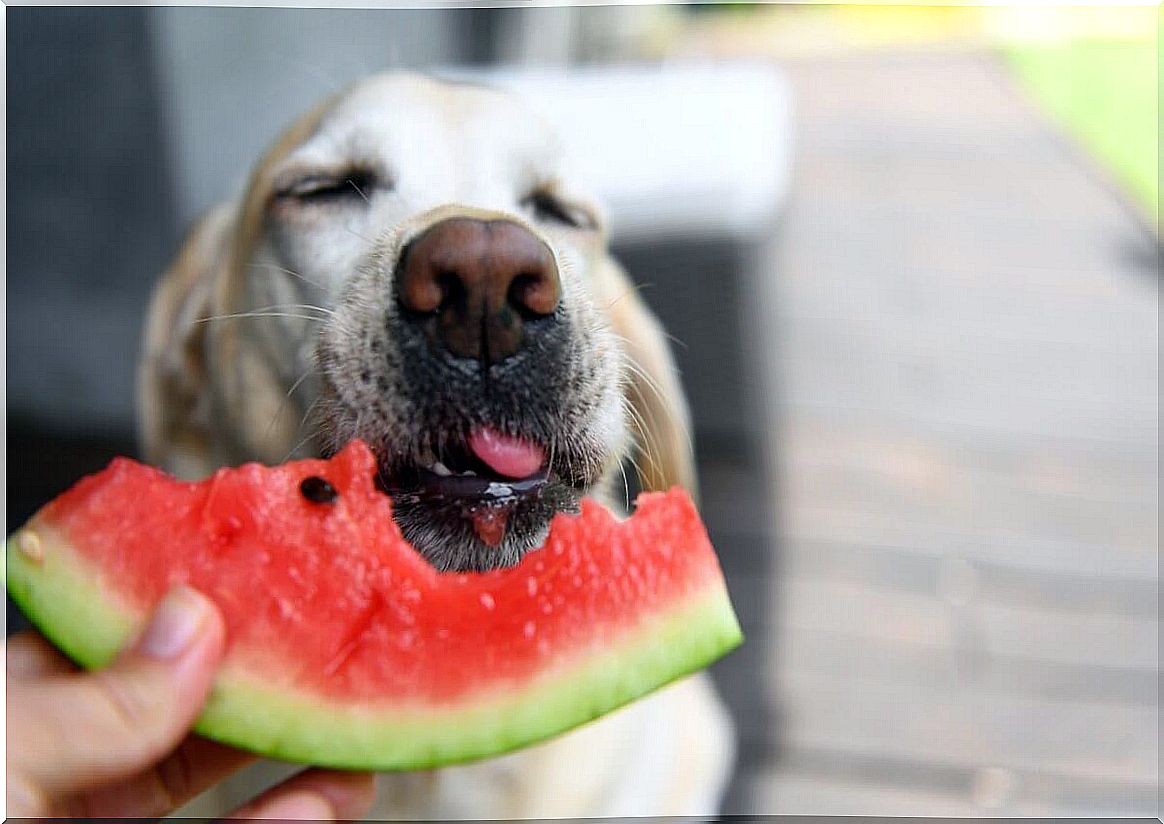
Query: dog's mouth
x=487 y=474
x=488 y=494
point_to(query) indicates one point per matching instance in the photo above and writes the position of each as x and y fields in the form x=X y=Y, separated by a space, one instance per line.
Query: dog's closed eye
x=547 y=207
x=351 y=185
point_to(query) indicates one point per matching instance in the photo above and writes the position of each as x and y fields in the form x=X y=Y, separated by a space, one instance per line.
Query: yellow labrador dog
x=410 y=265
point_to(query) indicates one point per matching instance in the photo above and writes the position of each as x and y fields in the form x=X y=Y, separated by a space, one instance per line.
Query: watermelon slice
x=345 y=647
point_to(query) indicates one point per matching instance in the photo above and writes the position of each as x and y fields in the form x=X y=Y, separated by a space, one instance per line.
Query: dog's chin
x=476 y=524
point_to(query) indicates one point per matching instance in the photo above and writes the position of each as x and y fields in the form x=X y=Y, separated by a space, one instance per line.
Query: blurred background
x=910 y=258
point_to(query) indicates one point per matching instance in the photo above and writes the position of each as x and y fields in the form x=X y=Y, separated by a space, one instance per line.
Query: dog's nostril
x=533 y=296
x=416 y=289
x=452 y=289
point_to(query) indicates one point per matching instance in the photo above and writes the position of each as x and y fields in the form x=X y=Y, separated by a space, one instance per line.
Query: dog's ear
x=660 y=420
x=172 y=383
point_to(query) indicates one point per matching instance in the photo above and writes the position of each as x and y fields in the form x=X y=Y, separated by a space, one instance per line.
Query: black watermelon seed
x=317 y=490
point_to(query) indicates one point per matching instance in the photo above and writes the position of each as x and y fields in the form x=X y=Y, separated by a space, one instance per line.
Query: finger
x=29 y=655
x=194 y=766
x=78 y=731
x=319 y=795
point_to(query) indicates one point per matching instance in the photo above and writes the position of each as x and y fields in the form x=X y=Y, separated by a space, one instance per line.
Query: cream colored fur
x=215 y=392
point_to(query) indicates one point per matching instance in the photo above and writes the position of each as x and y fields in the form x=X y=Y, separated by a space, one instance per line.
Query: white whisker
x=276 y=311
x=359 y=191
x=630 y=290
x=352 y=231
x=646 y=445
x=283 y=403
x=666 y=403
x=625 y=485
x=240 y=315
x=287 y=271
x=296 y=448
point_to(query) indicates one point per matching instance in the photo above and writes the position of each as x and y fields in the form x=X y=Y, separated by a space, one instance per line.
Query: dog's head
x=411 y=266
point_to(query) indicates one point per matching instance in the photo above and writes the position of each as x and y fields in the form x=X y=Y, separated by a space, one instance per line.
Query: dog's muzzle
x=475 y=289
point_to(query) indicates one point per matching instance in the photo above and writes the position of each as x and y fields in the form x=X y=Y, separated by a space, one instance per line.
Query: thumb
x=94 y=728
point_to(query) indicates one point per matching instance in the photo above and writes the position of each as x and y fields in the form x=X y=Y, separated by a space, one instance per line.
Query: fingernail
x=174 y=625
x=298 y=806
x=350 y=794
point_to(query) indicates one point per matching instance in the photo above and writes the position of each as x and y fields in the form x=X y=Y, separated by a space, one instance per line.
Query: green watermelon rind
x=63 y=597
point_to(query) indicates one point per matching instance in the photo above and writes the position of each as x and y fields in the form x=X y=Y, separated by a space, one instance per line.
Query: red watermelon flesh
x=345 y=647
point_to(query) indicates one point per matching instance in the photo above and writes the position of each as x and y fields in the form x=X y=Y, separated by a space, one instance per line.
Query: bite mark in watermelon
x=345 y=647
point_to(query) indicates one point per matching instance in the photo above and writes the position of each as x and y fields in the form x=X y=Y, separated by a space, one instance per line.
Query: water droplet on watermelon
x=543 y=646
x=225 y=530
x=487 y=600
x=531 y=585
x=530 y=629
x=286 y=609
x=547 y=607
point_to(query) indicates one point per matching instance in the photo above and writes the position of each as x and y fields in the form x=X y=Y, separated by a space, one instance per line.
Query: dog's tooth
x=439 y=468
x=469 y=472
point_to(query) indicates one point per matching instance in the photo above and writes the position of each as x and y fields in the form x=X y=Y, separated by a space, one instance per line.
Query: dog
x=412 y=264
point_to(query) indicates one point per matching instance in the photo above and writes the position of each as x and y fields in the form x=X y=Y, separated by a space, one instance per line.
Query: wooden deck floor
x=964 y=408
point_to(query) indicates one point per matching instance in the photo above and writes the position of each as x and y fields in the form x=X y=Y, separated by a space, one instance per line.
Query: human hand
x=116 y=743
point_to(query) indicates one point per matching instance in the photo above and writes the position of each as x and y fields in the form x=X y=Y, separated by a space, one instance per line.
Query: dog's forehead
x=396 y=112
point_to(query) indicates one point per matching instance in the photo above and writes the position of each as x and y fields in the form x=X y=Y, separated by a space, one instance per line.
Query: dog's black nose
x=476 y=282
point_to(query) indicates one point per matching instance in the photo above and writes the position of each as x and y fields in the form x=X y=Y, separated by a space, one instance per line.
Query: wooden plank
x=1111 y=316
x=1074 y=428
x=922 y=570
x=978 y=507
x=1097 y=742
x=915 y=461
x=1076 y=375
x=864 y=660
x=980 y=629
x=1132 y=558
x=788 y=793
x=827 y=783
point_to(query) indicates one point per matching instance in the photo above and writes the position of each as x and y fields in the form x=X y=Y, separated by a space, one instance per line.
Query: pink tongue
x=505 y=454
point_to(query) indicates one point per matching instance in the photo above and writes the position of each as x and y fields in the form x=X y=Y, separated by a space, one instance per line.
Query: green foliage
x=1105 y=92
